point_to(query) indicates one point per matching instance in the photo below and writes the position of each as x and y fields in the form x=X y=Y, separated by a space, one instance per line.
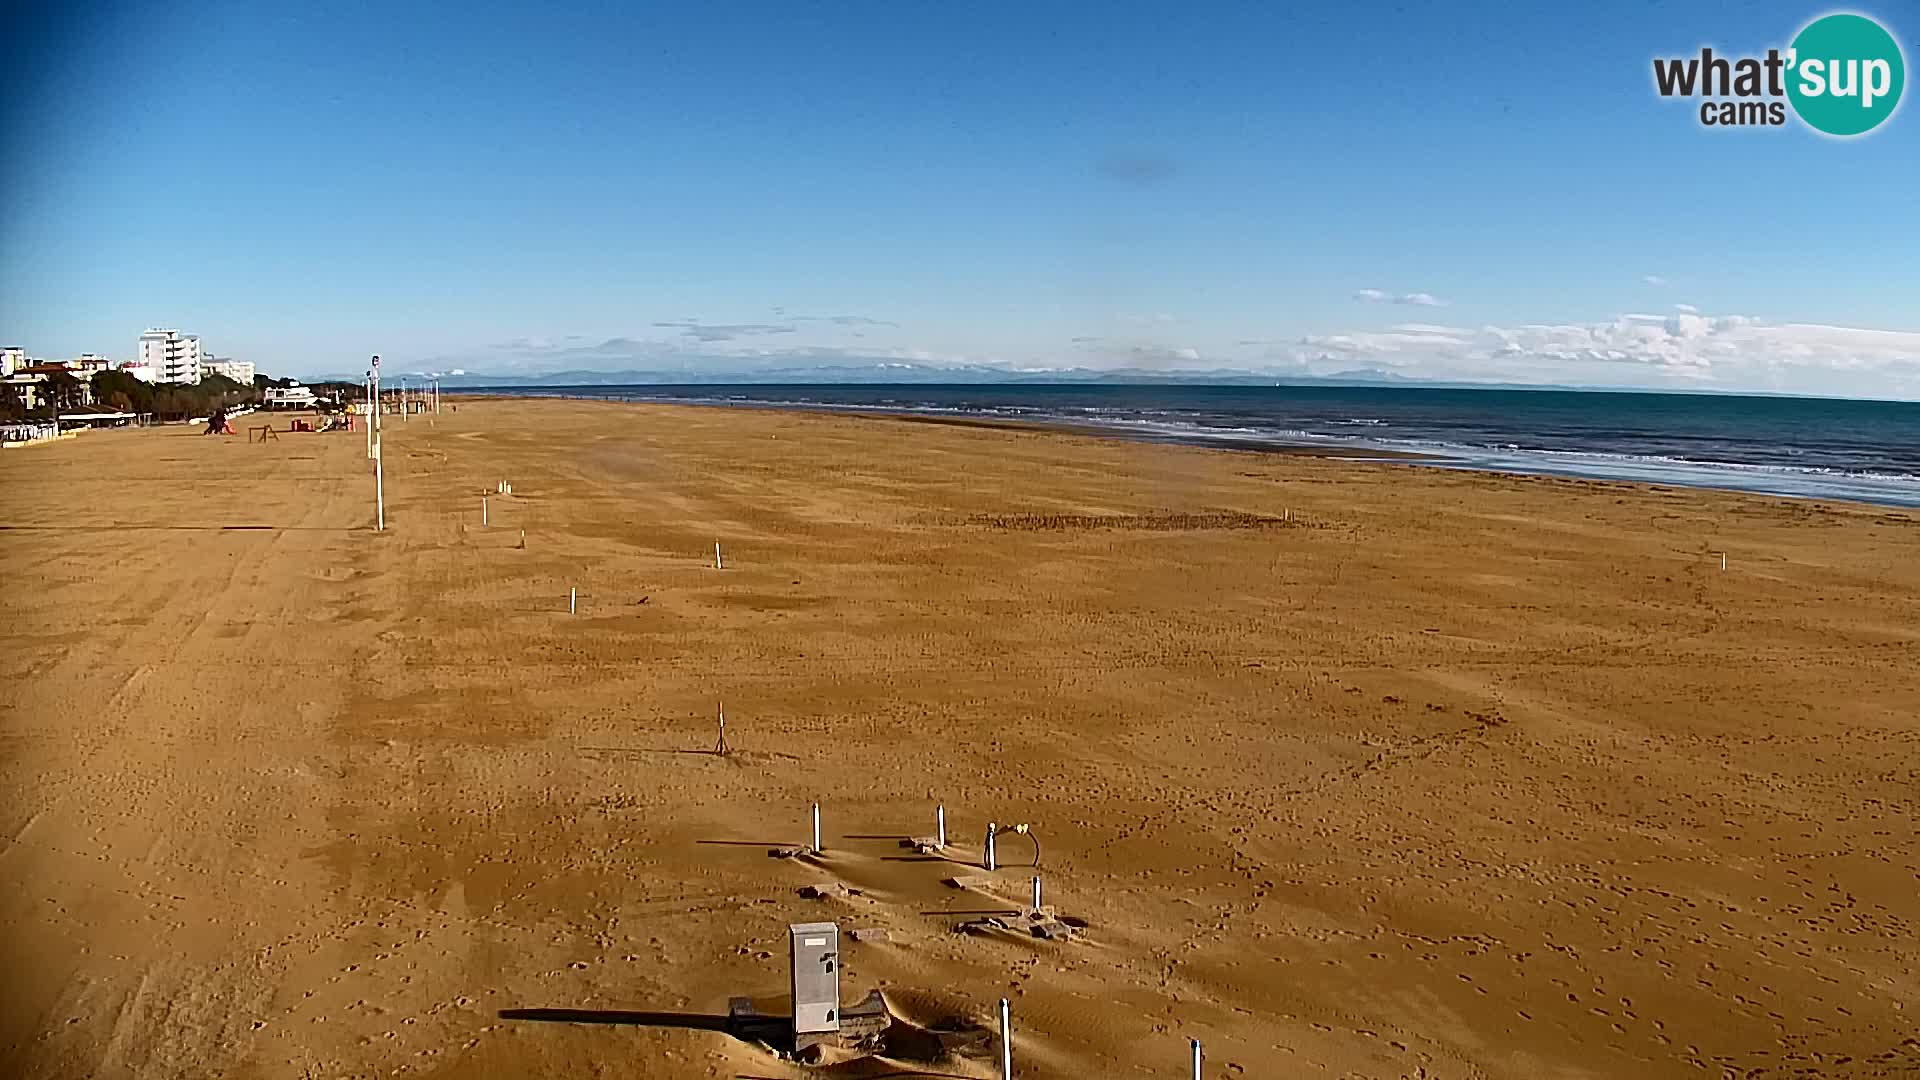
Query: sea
x=1815 y=448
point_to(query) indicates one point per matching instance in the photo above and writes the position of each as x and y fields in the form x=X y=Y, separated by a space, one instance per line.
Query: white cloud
x=1681 y=349
x=1654 y=279
x=1381 y=296
x=1688 y=308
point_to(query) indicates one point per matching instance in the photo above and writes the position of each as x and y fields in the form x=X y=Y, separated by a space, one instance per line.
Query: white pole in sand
x=716 y=556
x=483 y=511
x=1723 y=560
x=1036 y=892
x=1196 y=1059
x=816 y=828
x=986 y=850
x=1006 y=1042
x=940 y=819
x=571 y=598
x=379 y=492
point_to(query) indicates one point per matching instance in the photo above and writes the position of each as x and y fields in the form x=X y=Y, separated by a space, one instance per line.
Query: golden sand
x=1354 y=769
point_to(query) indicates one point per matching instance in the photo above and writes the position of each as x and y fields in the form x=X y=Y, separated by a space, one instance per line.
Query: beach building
x=142 y=372
x=31 y=383
x=24 y=387
x=12 y=358
x=240 y=371
x=87 y=365
x=290 y=397
x=174 y=356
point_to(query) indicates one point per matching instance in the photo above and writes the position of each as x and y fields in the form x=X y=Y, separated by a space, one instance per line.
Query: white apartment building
x=12 y=359
x=175 y=356
x=240 y=371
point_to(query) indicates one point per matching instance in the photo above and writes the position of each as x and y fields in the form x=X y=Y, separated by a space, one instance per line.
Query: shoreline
x=1328 y=452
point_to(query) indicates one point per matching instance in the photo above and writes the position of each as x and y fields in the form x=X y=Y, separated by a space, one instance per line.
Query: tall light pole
x=379 y=471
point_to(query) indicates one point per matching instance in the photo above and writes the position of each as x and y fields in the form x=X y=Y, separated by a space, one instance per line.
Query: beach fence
x=26 y=433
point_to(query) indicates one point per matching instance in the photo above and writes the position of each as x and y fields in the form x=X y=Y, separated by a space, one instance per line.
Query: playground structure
x=297 y=425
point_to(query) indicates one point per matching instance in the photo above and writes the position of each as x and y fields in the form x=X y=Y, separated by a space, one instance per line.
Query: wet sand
x=1353 y=768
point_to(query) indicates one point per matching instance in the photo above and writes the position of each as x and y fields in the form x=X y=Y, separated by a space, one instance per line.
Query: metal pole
x=1036 y=892
x=816 y=828
x=379 y=491
x=716 y=556
x=986 y=851
x=1196 y=1059
x=483 y=511
x=1006 y=1041
x=572 y=598
x=940 y=817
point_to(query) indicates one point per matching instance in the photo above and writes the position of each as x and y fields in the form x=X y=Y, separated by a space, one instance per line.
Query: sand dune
x=1354 y=769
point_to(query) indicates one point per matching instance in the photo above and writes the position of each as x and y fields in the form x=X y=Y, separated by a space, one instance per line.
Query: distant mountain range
x=908 y=374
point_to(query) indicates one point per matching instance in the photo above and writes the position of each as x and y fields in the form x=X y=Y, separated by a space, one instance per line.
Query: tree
x=65 y=393
x=13 y=407
x=118 y=386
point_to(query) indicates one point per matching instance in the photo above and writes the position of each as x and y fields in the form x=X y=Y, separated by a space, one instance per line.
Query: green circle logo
x=1845 y=74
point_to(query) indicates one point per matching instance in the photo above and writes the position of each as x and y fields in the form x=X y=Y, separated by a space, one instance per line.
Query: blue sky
x=490 y=187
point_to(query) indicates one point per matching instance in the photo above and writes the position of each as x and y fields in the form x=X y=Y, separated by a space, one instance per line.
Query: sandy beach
x=1353 y=769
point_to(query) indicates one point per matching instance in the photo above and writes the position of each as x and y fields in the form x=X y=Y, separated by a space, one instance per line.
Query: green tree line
x=117 y=391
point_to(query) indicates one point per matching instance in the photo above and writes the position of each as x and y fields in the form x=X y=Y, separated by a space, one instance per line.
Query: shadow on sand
x=891 y=1045
x=773 y=1032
